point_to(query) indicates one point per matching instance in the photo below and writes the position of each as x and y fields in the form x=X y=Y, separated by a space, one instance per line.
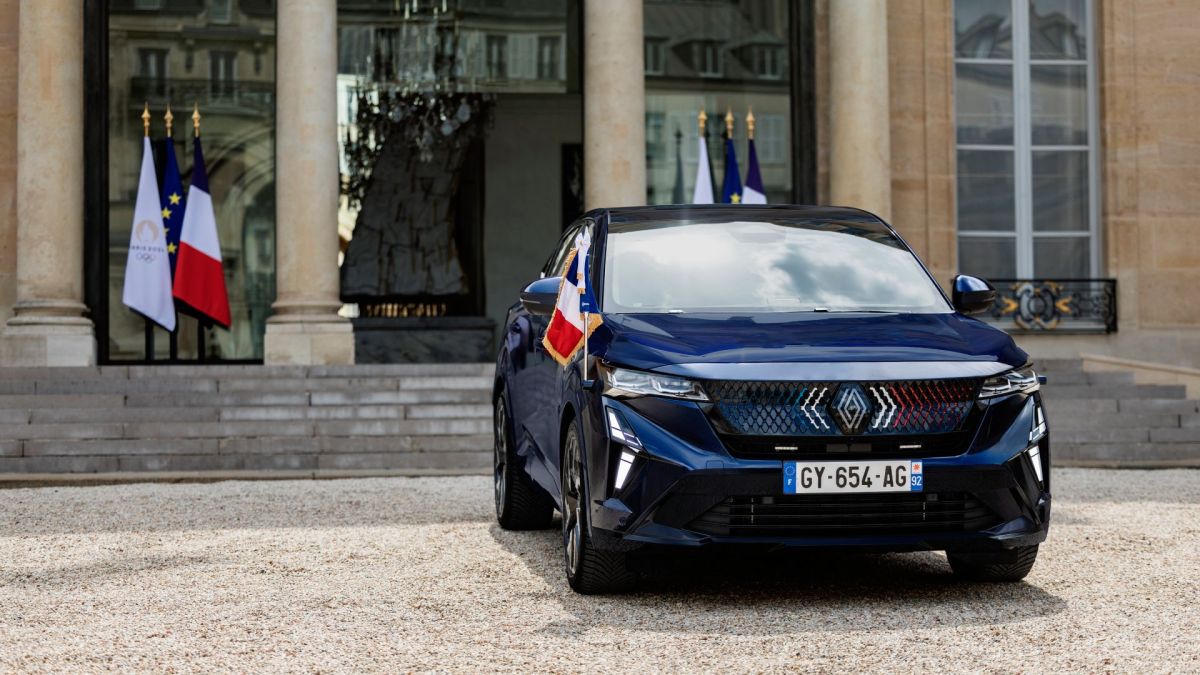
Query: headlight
x=1020 y=380
x=641 y=383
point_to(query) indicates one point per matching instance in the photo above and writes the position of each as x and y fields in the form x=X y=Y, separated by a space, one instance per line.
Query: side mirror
x=972 y=295
x=540 y=296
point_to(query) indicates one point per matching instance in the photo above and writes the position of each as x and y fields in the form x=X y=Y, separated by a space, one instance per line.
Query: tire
x=520 y=505
x=1006 y=566
x=590 y=571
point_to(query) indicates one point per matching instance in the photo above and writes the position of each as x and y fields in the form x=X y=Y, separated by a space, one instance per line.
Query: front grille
x=886 y=408
x=834 y=515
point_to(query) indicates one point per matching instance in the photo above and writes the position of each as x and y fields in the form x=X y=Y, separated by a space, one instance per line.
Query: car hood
x=808 y=345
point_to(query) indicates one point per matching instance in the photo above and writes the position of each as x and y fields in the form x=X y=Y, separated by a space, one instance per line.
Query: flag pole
x=173 y=339
x=580 y=279
x=149 y=326
x=750 y=124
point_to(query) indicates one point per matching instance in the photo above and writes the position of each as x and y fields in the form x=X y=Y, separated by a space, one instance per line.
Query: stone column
x=614 y=104
x=305 y=328
x=48 y=326
x=860 y=155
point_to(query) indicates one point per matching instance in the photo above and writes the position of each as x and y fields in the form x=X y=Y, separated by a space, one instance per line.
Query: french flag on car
x=199 y=275
x=575 y=315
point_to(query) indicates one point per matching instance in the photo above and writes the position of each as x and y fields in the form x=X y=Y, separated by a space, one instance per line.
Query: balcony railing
x=256 y=97
x=1055 y=305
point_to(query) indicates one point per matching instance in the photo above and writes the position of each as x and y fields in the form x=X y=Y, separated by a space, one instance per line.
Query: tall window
x=497 y=57
x=1025 y=102
x=152 y=68
x=655 y=56
x=222 y=73
x=549 y=61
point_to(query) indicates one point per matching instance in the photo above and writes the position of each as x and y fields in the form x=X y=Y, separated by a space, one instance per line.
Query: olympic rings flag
x=148 y=267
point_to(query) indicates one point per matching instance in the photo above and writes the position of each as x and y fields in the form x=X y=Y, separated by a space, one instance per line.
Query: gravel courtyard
x=405 y=574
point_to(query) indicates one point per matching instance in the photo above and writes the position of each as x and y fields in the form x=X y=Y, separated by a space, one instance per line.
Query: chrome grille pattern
x=836 y=409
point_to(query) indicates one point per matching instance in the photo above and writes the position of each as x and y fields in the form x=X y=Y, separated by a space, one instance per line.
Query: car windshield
x=805 y=265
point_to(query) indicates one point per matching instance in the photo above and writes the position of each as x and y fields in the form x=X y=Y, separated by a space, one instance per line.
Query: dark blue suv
x=774 y=375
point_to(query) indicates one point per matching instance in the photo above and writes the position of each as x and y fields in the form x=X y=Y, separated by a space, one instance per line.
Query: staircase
x=246 y=420
x=252 y=421
x=1105 y=418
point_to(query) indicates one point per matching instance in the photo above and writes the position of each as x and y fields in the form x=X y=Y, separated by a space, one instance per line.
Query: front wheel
x=520 y=505
x=1003 y=566
x=590 y=571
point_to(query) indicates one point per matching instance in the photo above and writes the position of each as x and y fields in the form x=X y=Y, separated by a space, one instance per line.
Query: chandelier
x=417 y=89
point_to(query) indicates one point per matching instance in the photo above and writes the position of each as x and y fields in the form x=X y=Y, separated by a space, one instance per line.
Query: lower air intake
x=845 y=515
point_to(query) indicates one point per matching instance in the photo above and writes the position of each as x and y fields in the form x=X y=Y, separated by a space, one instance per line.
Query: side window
x=554 y=265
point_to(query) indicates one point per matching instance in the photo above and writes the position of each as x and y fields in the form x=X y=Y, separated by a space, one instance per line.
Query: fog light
x=623 y=468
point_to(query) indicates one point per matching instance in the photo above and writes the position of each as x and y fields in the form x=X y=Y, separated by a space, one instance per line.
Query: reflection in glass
x=983 y=29
x=986 y=200
x=1057 y=29
x=229 y=70
x=987 y=257
x=1061 y=257
x=717 y=56
x=983 y=103
x=431 y=97
x=1060 y=190
x=1058 y=105
x=752 y=266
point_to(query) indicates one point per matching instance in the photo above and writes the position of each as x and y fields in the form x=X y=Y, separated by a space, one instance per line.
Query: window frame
x=1023 y=235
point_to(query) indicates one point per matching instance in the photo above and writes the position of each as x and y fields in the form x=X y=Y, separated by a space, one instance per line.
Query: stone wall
x=8 y=156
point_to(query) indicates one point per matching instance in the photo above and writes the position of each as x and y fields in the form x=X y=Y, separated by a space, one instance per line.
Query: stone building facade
x=598 y=96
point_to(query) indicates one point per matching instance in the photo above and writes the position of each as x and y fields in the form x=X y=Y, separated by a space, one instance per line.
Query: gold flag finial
x=196 y=119
x=169 y=119
x=729 y=122
x=146 y=119
x=750 y=123
x=702 y=121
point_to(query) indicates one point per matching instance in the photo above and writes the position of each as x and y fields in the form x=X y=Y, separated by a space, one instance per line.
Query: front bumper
x=686 y=489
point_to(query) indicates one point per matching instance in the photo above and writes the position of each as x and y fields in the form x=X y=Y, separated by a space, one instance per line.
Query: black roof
x=705 y=212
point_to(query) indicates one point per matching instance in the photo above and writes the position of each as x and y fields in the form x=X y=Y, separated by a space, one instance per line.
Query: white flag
x=702 y=193
x=148 y=269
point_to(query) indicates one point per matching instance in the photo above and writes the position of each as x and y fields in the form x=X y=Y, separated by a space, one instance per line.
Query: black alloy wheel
x=520 y=505
x=590 y=571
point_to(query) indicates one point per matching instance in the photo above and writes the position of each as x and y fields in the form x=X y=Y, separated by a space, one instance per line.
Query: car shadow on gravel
x=753 y=593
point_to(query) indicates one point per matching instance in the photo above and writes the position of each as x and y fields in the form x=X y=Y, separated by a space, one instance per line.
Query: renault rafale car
x=778 y=375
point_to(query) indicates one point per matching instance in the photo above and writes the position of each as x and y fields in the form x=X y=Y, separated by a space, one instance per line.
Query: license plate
x=869 y=476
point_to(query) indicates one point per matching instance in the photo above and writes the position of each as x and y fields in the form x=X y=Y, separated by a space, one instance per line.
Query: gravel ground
x=412 y=574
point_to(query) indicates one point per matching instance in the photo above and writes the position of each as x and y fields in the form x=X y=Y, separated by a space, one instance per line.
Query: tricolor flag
x=199 y=275
x=172 y=200
x=732 y=192
x=147 y=269
x=753 y=193
x=702 y=193
x=567 y=330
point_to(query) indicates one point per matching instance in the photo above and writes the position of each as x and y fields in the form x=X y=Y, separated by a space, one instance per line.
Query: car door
x=535 y=395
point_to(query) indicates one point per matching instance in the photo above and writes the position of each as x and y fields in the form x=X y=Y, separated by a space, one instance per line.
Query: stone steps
x=407 y=418
x=413 y=418
x=1106 y=418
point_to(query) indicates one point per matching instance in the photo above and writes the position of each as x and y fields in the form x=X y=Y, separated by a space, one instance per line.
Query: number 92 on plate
x=867 y=476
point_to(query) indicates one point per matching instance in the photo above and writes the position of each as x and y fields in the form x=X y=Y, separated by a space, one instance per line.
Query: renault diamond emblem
x=850 y=408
